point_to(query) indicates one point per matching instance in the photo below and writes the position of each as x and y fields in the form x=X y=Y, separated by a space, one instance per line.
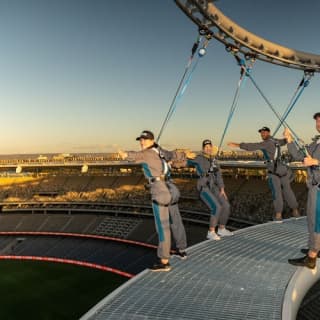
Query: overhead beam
x=208 y=17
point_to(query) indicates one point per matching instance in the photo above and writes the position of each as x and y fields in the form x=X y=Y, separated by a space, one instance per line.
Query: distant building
x=62 y=157
x=42 y=158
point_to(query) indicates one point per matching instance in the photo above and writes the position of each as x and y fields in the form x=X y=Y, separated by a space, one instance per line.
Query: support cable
x=187 y=75
x=244 y=72
x=299 y=143
x=302 y=85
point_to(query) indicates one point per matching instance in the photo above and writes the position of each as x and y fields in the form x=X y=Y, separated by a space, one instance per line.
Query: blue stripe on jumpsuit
x=156 y=213
x=211 y=202
x=155 y=206
x=317 y=214
x=265 y=154
x=196 y=165
x=146 y=170
x=205 y=195
x=273 y=191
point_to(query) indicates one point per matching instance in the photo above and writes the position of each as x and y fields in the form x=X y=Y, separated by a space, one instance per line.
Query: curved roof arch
x=212 y=20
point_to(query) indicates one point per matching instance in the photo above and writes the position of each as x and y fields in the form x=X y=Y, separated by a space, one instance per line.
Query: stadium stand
x=124 y=256
x=101 y=182
x=248 y=192
x=118 y=227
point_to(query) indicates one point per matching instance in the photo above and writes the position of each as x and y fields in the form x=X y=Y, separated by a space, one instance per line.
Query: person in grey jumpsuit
x=164 y=195
x=311 y=159
x=211 y=188
x=278 y=172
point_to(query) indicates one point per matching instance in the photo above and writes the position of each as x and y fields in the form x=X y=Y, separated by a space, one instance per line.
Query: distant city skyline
x=90 y=75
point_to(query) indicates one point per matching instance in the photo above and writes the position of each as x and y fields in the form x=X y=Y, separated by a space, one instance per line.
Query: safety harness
x=211 y=172
x=213 y=169
x=165 y=176
x=314 y=182
x=277 y=159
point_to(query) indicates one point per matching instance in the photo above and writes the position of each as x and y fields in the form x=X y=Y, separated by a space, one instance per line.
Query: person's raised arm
x=233 y=145
x=297 y=154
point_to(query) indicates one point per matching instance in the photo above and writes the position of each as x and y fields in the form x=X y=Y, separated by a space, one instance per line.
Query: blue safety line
x=290 y=103
x=275 y=112
x=289 y=109
x=178 y=94
x=181 y=93
x=233 y=108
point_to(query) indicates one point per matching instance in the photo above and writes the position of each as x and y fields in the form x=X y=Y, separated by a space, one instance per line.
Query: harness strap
x=160 y=204
x=165 y=166
x=278 y=175
x=155 y=179
x=276 y=158
x=213 y=167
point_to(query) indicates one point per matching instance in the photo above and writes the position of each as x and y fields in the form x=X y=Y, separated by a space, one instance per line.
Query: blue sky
x=89 y=75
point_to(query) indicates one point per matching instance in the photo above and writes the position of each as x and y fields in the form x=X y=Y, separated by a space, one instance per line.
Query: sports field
x=43 y=290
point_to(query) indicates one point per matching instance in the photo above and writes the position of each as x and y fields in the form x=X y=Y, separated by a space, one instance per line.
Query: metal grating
x=240 y=277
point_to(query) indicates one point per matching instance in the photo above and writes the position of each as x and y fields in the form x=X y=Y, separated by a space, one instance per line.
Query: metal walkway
x=239 y=277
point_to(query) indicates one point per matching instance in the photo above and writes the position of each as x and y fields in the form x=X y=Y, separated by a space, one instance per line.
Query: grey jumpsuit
x=164 y=196
x=209 y=184
x=313 y=184
x=278 y=173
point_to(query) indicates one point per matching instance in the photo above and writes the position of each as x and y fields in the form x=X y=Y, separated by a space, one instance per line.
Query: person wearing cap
x=164 y=195
x=310 y=156
x=211 y=188
x=278 y=172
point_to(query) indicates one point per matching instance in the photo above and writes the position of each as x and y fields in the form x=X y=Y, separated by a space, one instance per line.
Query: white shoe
x=224 y=232
x=212 y=236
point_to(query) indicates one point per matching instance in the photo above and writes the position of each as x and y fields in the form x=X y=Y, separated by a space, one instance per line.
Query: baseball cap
x=264 y=129
x=205 y=142
x=145 y=134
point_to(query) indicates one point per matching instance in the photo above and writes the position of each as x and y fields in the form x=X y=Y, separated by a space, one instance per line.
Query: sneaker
x=181 y=254
x=212 y=236
x=159 y=266
x=295 y=213
x=224 y=232
x=305 y=251
x=305 y=261
x=277 y=219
